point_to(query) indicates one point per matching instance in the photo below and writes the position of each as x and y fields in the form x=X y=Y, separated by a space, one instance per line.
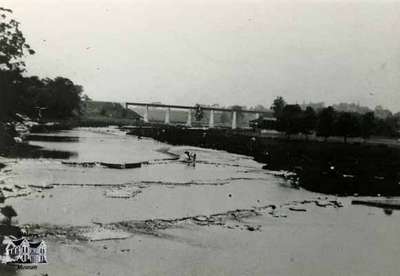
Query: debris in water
x=42 y=186
x=253 y=228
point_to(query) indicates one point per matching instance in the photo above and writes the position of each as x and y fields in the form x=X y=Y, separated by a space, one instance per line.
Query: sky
x=229 y=52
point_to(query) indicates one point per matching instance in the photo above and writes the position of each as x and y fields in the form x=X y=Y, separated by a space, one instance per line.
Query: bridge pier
x=167 y=116
x=234 y=123
x=146 y=114
x=189 y=118
x=211 y=122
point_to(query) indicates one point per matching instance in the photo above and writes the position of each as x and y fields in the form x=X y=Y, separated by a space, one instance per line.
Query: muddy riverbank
x=331 y=168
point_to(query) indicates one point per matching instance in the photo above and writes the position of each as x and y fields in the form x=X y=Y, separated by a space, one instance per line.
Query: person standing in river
x=194 y=159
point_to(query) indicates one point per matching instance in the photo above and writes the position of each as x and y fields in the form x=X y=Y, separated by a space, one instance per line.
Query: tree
x=277 y=106
x=308 y=121
x=8 y=212
x=13 y=47
x=289 y=120
x=10 y=83
x=381 y=112
x=86 y=98
x=347 y=125
x=103 y=112
x=367 y=124
x=61 y=98
x=388 y=127
x=13 y=44
x=28 y=95
x=325 y=122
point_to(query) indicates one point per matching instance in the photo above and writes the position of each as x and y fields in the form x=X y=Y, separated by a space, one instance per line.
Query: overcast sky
x=218 y=51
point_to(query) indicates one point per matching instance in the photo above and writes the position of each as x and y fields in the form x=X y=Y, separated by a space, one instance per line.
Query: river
x=223 y=216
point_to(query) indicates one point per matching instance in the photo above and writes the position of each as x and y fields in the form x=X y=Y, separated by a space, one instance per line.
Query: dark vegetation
x=40 y=99
x=57 y=98
x=327 y=122
x=100 y=114
x=333 y=168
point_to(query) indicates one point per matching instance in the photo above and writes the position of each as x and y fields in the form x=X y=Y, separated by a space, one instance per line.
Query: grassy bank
x=332 y=168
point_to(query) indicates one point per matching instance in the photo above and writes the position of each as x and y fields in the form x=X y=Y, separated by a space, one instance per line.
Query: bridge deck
x=203 y=107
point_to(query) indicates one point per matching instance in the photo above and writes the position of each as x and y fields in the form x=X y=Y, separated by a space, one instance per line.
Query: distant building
x=23 y=251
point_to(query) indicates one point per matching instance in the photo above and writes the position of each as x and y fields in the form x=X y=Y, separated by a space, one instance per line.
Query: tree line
x=57 y=98
x=327 y=122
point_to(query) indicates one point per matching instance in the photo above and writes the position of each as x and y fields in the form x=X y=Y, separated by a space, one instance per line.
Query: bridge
x=189 y=109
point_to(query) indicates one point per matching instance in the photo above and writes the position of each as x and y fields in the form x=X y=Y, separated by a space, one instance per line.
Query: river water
x=302 y=234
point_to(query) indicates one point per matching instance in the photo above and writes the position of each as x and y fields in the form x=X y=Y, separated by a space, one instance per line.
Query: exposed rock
x=7 y=188
x=42 y=186
x=297 y=209
x=322 y=203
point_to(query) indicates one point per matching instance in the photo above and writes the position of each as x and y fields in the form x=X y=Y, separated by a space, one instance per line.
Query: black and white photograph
x=200 y=137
